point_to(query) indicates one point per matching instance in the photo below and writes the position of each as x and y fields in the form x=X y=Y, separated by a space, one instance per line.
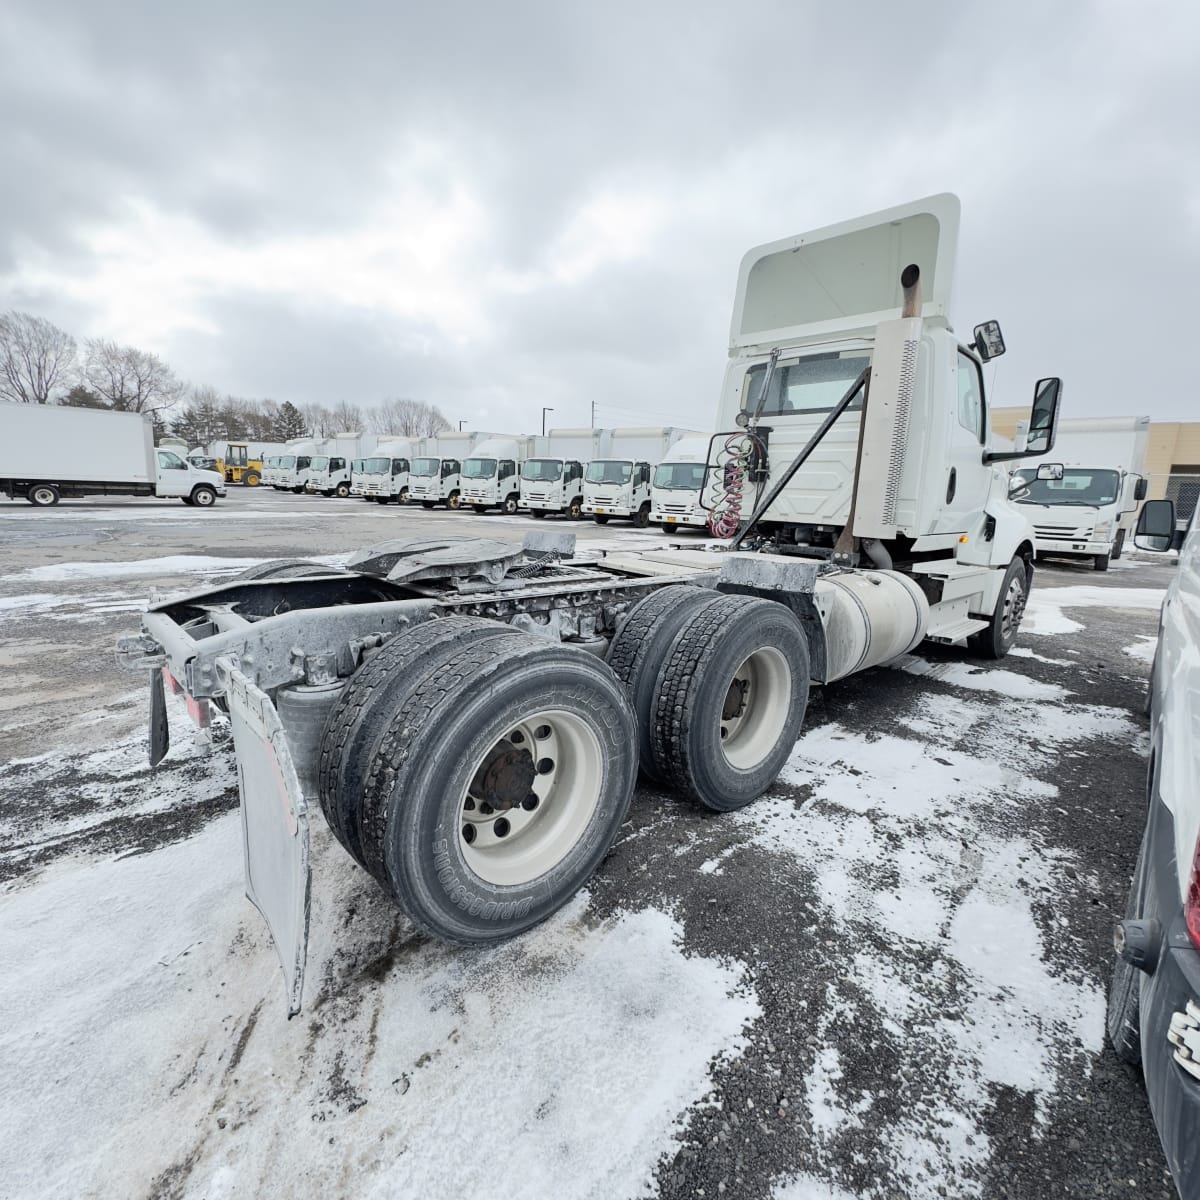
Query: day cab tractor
x=471 y=715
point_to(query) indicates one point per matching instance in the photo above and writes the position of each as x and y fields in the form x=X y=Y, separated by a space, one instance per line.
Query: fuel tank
x=869 y=617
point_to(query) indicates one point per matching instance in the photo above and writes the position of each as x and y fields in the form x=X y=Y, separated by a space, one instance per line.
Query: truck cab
x=552 y=485
x=434 y=480
x=677 y=484
x=490 y=477
x=329 y=474
x=617 y=487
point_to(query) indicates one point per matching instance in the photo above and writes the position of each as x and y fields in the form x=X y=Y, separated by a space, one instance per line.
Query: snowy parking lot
x=886 y=978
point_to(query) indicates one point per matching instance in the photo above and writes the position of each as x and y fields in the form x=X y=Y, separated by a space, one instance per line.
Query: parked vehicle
x=296 y=464
x=1088 y=513
x=1154 y=998
x=329 y=472
x=435 y=477
x=202 y=460
x=242 y=462
x=471 y=715
x=491 y=476
x=384 y=475
x=675 y=487
x=618 y=485
x=48 y=452
x=552 y=475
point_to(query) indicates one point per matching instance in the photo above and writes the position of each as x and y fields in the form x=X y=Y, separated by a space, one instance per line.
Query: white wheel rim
x=755 y=708
x=1014 y=608
x=560 y=755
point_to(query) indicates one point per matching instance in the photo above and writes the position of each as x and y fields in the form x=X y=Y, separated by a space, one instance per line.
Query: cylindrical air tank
x=869 y=617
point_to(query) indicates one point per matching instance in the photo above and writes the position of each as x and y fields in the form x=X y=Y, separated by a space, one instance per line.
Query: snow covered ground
x=886 y=978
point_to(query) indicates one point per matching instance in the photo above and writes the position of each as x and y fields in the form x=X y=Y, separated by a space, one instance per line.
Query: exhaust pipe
x=910 y=281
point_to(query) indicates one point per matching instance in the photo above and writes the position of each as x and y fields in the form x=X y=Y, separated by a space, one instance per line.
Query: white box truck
x=436 y=476
x=470 y=716
x=329 y=473
x=48 y=452
x=384 y=475
x=618 y=485
x=552 y=475
x=676 y=483
x=1090 y=512
x=491 y=477
x=295 y=464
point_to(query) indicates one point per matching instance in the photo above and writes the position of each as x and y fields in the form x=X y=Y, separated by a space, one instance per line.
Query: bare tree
x=404 y=417
x=347 y=417
x=36 y=357
x=200 y=422
x=129 y=379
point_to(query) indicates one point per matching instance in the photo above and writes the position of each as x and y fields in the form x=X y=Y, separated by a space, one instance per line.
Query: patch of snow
x=1143 y=649
x=980 y=679
x=1025 y=652
x=1044 y=610
x=39 y=601
x=145 y=1011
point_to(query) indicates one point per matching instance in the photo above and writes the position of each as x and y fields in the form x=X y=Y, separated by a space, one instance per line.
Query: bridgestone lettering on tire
x=638 y=652
x=367 y=704
x=472 y=719
x=730 y=700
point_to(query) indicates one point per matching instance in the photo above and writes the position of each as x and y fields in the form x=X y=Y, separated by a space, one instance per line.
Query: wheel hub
x=735 y=699
x=505 y=779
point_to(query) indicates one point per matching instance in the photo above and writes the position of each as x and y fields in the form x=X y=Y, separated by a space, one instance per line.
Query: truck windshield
x=1078 y=486
x=479 y=468
x=679 y=477
x=375 y=466
x=320 y=463
x=607 y=471
x=542 y=470
x=811 y=384
x=287 y=460
x=424 y=467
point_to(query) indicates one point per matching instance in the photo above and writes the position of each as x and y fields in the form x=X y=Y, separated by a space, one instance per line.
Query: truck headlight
x=1103 y=530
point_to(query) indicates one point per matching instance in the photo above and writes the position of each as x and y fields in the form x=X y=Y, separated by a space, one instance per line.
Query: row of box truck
x=644 y=475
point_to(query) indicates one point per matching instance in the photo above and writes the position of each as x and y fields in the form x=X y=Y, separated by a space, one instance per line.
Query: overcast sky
x=499 y=206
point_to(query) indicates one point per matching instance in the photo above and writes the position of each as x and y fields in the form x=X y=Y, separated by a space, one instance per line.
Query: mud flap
x=274 y=824
x=160 y=732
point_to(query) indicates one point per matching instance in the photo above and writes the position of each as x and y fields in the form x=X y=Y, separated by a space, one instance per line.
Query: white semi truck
x=470 y=715
x=491 y=477
x=296 y=463
x=384 y=475
x=48 y=452
x=329 y=473
x=552 y=475
x=618 y=485
x=1090 y=512
x=436 y=475
x=677 y=484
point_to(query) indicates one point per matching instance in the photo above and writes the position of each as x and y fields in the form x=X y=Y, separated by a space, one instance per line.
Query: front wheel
x=1118 y=545
x=510 y=505
x=342 y=490
x=641 y=518
x=454 y=500
x=203 y=496
x=1100 y=562
x=575 y=509
x=997 y=639
x=498 y=786
x=252 y=479
x=403 y=497
x=43 y=495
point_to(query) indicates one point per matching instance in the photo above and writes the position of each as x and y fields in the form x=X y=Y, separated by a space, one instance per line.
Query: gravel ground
x=890 y=970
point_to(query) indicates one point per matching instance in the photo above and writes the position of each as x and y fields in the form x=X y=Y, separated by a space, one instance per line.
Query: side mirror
x=1043 y=420
x=1018 y=486
x=1155 y=526
x=989 y=341
x=1141 y=488
x=1050 y=471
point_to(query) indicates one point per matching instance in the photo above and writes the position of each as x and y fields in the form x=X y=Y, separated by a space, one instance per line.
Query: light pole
x=545 y=410
x=460 y=425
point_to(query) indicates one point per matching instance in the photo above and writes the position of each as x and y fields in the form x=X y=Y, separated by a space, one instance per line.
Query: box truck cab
x=1089 y=512
x=552 y=477
x=676 y=485
x=491 y=476
x=296 y=463
x=618 y=485
x=435 y=477
x=329 y=473
x=385 y=475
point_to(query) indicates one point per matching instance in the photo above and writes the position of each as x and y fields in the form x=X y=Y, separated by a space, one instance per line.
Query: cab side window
x=643 y=473
x=970 y=395
x=507 y=467
x=170 y=461
x=574 y=470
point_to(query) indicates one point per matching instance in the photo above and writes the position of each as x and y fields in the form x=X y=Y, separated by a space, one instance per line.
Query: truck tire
x=299 y=491
x=454 y=500
x=537 y=514
x=1122 y=1020
x=1100 y=562
x=480 y=508
x=426 y=503
x=600 y=519
x=641 y=518
x=1118 y=545
x=730 y=700
x=637 y=652
x=342 y=490
x=252 y=479
x=575 y=509
x=43 y=495
x=366 y=706
x=203 y=496
x=403 y=497
x=510 y=506
x=444 y=826
x=383 y=499
x=997 y=639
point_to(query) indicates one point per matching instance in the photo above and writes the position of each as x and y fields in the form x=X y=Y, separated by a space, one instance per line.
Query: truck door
x=967 y=477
